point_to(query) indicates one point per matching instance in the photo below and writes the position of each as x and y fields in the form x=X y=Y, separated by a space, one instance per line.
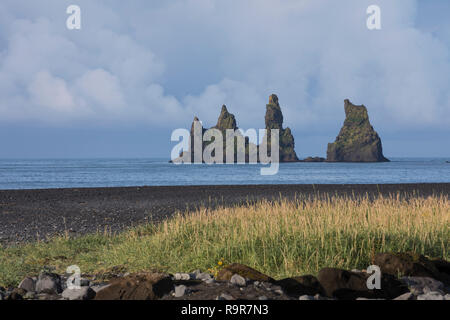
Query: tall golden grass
x=281 y=238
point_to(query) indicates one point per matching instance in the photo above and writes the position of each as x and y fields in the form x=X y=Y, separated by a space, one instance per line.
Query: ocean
x=79 y=173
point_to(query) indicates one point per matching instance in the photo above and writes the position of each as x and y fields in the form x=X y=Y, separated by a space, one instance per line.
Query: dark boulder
x=415 y=265
x=144 y=286
x=49 y=283
x=28 y=284
x=346 y=285
x=228 y=271
x=16 y=294
x=303 y=285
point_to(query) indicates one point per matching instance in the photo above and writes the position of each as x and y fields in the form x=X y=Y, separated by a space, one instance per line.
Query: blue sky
x=139 y=69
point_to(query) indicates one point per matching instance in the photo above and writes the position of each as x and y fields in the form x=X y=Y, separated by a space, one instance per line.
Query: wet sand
x=27 y=215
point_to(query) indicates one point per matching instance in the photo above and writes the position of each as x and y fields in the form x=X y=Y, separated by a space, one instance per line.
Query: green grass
x=280 y=239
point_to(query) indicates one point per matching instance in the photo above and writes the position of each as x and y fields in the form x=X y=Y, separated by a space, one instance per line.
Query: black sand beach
x=27 y=215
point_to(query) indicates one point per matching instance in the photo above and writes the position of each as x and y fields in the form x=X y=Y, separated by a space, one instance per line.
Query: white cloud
x=101 y=88
x=131 y=63
x=51 y=92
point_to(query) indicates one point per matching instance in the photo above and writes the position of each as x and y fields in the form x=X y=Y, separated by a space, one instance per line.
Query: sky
x=137 y=70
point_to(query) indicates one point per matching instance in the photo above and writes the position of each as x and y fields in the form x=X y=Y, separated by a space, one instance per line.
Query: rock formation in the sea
x=226 y=121
x=274 y=120
x=357 y=141
x=313 y=159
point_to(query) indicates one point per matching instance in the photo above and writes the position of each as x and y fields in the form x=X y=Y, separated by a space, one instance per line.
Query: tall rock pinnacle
x=274 y=120
x=357 y=141
x=226 y=120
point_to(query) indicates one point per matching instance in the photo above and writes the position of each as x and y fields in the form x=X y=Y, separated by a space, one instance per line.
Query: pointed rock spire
x=357 y=141
x=274 y=120
x=226 y=120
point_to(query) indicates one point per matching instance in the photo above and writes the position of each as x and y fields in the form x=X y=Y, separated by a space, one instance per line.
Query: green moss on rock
x=357 y=141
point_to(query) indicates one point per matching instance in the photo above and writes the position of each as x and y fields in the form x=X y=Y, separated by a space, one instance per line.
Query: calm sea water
x=67 y=173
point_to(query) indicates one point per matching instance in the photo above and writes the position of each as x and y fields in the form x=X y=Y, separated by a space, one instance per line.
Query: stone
x=413 y=265
x=405 y=296
x=303 y=285
x=28 y=284
x=203 y=276
x=306 y=298
x=433 y=295
x=84 y=283
x=427 y=290
x=49 y=283
x=357 y=141
x=141 y=286
x=266 y=285
x=16 y=294
x=346 y=285
x=180 y=291
x=279 y=291
x=262 y=298
x=447 y=297
x=418 y=284
x=84 y=293
x=30 y=295
x=238 y=280
x=196 y=272
x=228 y=271
x=182 y=276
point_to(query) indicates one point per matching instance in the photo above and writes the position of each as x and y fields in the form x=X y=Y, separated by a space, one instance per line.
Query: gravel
x=28 y=215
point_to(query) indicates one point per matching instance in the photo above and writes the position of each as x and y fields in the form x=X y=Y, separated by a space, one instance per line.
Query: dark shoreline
x=27 y=215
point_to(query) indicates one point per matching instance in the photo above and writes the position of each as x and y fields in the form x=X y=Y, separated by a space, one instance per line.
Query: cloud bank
x=159 y=63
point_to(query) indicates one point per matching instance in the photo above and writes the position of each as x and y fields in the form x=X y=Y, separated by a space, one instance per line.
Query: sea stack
x=357 y=141
x=274 y=120
x=227 y=121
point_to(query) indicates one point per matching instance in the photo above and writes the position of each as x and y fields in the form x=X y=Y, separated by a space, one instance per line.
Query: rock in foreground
x=149 y=286
x=240 y=282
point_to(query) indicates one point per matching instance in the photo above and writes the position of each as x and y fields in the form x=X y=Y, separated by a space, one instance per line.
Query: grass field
x=280 y=239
